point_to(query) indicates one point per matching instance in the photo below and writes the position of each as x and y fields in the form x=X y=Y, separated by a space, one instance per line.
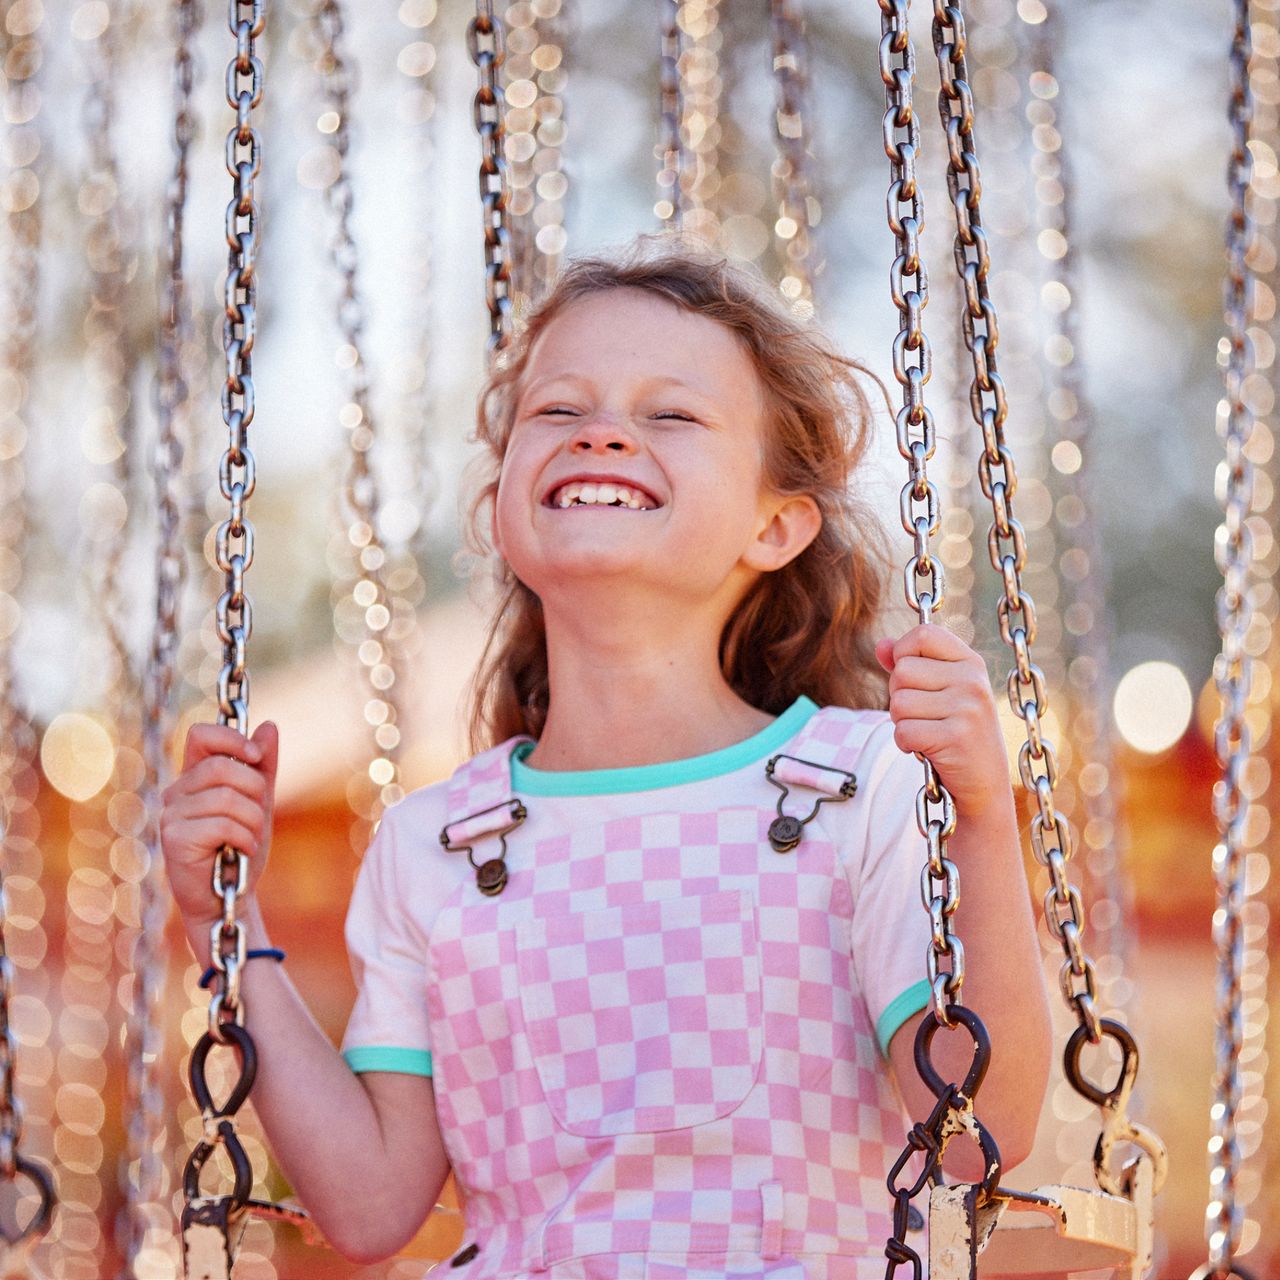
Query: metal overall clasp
x=497 y=820
x=786 y=772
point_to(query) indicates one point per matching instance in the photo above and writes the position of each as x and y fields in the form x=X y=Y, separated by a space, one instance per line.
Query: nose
x=602 y=433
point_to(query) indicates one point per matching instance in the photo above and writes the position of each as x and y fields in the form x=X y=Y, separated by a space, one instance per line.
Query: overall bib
x=651 y=1057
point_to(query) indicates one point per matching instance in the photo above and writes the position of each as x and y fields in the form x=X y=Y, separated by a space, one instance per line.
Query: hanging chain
x=534 y=119
x=1006 y=540
x=1233 y=673
x=798 y=208
x=701 y=89
x=237 y=476
x=1006 y=543
x=917 y=441
x=144 y=1168
x=23 y=55
x=484 y=43
x=359 y=486
x=670 y=151
x=1084 y=573
x=923 y=579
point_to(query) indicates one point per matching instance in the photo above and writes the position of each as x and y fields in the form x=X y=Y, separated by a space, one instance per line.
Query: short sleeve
x=890 y=926
x=388 y=1029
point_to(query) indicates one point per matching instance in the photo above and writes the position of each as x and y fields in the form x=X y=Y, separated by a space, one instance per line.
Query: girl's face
x=636 y=454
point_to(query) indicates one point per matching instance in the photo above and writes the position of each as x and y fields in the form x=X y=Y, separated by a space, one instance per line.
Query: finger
x=222 y=801
x=931 y=641
x=207 y=835
x=884 y=653
x=222 y=771
x=917 y=736
x=921 y=704
x=204 y=740
x=921 y=673
x=266 y=737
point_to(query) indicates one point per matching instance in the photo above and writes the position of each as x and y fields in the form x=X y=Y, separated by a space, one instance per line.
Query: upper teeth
x=580 y=494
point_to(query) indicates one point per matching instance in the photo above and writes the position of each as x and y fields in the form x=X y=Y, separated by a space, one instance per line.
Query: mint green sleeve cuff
x=900 y=1008
x=409 y=1062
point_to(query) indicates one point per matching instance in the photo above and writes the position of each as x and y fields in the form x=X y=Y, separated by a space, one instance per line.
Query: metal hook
x=491 y=875
x=786 y=830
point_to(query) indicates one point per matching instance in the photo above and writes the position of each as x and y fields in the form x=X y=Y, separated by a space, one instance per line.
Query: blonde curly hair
x=803 y=629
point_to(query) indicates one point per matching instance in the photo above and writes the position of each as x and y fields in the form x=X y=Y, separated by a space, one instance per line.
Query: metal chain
x=484 y=44
x=534 y=119
x=1006 y=543
x=701 y=89
x=101 y=823
x=798 y=208
x=360 y=493
x=233 y=540
x=673 y=161
x=22 y=50
x=1233 y=671
x=144 y=1172
x=207 y=1221
x=925 y=589
x=917 y=441
x=1006 y=540
x=1084 y=571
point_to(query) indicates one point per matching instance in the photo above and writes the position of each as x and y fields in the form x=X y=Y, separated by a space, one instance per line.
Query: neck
x=631 y=685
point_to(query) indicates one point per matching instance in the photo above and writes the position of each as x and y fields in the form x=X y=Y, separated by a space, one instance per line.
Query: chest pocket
x=644 y=1017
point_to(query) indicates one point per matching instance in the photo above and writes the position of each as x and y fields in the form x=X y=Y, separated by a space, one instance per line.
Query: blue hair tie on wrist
x=258 y=953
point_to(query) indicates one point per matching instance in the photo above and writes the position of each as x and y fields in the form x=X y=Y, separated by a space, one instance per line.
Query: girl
x=656 y=1030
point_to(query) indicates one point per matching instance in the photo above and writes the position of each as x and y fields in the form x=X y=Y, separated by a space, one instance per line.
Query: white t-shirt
x=407 y=876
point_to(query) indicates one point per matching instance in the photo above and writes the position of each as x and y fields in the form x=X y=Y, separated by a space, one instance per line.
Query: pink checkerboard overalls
x=651 y=1055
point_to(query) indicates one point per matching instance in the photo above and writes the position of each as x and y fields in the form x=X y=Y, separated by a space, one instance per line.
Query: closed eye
x=673 y=414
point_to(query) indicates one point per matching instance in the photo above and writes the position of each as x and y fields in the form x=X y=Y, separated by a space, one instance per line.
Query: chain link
x=1233 y=669
x=360 y=493
x=484 y=43
x=144 y=1168
x=673 y=161
x=798 y=208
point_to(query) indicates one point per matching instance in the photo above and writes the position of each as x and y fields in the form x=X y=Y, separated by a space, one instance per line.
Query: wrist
x=200 y=931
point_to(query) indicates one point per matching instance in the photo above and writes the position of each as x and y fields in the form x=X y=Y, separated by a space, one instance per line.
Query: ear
x=789 y=525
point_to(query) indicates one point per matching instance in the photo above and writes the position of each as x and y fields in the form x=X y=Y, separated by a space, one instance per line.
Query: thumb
x=266 y=737
x=884 y=654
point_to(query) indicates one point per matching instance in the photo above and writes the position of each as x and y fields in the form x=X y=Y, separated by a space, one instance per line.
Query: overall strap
x=815 y=769
x=481 y=810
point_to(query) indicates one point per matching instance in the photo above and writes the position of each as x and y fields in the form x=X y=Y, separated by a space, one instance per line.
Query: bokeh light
x=1152 y=706
x=77 y=755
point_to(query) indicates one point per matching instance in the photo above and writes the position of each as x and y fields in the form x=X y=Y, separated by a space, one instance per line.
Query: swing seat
x=1052 y=1233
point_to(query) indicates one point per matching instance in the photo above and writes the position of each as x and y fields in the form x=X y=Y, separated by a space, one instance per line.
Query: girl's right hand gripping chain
x=225 y=794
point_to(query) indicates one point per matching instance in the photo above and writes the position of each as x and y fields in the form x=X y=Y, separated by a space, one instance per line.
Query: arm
x=364 y=1151
x=941 y=703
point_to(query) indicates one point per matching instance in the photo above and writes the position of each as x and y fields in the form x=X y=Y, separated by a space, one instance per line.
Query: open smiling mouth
x=579 y=493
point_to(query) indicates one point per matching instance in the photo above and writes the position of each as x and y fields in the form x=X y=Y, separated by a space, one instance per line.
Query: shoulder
x=407 y=849
x=856 y=739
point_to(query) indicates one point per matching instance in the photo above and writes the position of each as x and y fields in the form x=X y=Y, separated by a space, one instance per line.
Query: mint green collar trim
x=526 y=780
